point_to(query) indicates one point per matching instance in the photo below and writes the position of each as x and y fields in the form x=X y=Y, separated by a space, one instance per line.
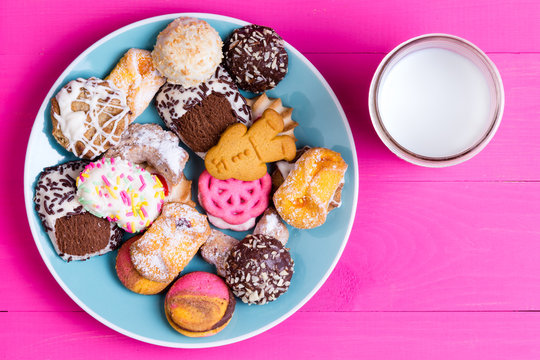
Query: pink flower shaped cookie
x=233 y=204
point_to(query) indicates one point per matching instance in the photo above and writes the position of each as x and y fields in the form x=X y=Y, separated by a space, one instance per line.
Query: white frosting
x=125 y=194
x=222 y=224
x=74 y=124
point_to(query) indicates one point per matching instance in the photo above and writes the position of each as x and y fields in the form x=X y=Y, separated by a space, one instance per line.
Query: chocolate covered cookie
x=75 y=233
x=200 y=114
x=259 y=269
x=256 y=58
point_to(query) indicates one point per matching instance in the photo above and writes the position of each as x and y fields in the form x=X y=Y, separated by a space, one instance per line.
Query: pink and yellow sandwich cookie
x=199 y=304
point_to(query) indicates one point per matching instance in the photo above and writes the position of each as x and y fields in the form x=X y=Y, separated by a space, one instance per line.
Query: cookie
x=130 y=277
x=256 y=58
x=260 y=103
x=149 y=144
x=75 y=233
x=259 y=269
x=270 y=224
x=233 y=204
x=200 y=114
x=304 y=197
x=242 y=154
x=216 y=250
x=199 y=304
x=187 y=51
x=89 y=116
x=137 y=77
x=170 y=243
x=180 y=192
x=122 y=192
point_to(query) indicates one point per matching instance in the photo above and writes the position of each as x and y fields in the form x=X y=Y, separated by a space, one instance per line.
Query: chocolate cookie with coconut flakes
x=259 y=269
x=256 y=58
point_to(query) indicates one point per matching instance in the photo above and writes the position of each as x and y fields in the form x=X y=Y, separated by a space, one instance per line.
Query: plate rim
x=28 y=195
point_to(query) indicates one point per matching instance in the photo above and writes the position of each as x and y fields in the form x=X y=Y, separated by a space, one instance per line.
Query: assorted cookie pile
x=130 y=176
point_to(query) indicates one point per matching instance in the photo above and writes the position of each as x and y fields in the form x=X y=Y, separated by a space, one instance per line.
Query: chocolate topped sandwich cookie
x=200 y=114
x=75 y=233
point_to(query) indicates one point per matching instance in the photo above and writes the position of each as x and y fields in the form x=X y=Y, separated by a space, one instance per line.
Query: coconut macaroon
x=187 y=51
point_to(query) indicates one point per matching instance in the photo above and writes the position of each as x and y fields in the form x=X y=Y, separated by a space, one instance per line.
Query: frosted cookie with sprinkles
x=200 y=114
x=256 y=58
x=122 y=192
x=75 y=233
x=89 y=116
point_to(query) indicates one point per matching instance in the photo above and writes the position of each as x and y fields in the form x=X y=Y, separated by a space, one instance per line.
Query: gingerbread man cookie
x=242 y=154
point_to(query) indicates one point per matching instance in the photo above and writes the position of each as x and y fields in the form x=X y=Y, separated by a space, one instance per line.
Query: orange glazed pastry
x=170 y=242
x=136 y=76
x=303 y=199
x=130 y=277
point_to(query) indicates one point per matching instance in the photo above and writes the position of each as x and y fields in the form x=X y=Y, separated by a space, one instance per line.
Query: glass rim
x=494 y=79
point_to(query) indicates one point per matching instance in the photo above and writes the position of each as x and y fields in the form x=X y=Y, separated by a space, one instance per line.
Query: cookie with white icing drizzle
x=200 y=114
x=89 y=116
x=75 y=233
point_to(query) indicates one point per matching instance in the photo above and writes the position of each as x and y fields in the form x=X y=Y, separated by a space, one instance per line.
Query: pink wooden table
x=441 y=263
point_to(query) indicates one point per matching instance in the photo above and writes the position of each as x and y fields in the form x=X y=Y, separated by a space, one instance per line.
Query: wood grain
x=439 y=260
x=310 y=25
x=353 y=335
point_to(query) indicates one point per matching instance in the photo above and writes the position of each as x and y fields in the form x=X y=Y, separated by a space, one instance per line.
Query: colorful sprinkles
x=133 y=198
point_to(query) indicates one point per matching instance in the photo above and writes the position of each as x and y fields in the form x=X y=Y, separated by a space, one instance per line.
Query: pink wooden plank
x=440 y=246
x=33 y=335
x=414 y=246
x=376 y=26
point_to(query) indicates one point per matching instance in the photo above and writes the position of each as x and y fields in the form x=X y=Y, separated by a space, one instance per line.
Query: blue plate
x=93 y=284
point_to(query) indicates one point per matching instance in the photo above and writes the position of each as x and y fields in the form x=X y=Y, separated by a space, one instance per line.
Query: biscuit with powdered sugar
x=216 y=250
x=270 y=224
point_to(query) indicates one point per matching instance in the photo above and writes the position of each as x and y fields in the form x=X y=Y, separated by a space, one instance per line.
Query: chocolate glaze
x=84 y=233
x=256 y=58
x=259 y=269
x=74 y=233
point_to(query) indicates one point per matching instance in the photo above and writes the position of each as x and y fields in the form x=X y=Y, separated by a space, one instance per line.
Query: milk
x=435 y=103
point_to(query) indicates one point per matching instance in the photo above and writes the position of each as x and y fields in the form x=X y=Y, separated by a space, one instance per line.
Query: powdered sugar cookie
x=149 y=144
x=270 y=224
x=170 y=243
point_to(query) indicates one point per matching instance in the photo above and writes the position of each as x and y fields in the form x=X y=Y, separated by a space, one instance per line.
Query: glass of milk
x=436 y=100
